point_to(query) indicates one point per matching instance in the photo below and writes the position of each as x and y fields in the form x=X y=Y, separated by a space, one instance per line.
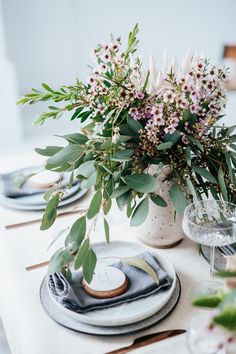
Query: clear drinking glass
x=211 y=223
x=202 y=339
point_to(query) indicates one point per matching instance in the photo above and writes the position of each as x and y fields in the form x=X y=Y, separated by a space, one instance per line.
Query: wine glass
x=202 y=338
x=211 y=223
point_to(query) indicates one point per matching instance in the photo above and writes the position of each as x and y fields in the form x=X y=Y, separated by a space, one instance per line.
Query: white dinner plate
x=129 y=312
x=7 y=202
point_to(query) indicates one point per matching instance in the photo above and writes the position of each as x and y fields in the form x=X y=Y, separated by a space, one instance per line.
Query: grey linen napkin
x=9 y=188
x=73 y=296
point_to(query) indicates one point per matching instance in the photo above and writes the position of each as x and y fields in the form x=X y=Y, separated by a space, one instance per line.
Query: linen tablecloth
x=28 y=329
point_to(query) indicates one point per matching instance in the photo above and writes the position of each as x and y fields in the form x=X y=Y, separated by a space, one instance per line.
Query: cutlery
x=33 y=221
x=36 y=266
x=148 y=339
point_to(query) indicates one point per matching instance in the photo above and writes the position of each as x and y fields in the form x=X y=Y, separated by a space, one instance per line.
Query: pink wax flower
x=139 y=95
x=170 y=129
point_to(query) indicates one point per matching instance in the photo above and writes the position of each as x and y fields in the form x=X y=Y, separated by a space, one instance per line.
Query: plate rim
x=112 y=322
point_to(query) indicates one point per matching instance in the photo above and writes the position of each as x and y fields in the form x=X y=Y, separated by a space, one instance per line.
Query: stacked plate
x=34 y=200
x=121 y=319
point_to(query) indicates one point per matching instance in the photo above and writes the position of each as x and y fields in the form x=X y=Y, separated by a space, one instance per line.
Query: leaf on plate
x=143 y=265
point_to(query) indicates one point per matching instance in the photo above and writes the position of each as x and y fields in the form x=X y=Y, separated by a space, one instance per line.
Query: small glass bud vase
x=162 y=228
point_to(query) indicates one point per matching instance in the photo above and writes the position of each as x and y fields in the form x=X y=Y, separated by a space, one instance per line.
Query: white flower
x=106 y=57
x=169 y=96
x=116 y=135
x=98 y=128
x=170 y=129
x=158 y=121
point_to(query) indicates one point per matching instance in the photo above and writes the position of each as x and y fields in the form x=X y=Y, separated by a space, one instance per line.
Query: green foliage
x=141 y=182
x=226 y=318
x=158 y=200
x=140 y=213
x=112 y=155
x=95 y=205
x=208 y=301
x=50 y=213
x=178 y=198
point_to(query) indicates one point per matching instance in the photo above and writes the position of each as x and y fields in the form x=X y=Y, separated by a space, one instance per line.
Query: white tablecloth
x=29 y=330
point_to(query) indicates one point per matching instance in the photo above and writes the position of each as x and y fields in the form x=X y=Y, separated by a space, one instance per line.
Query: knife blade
x=148 y=339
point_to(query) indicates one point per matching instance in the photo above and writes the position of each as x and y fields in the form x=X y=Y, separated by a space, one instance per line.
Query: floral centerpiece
x=137 y=119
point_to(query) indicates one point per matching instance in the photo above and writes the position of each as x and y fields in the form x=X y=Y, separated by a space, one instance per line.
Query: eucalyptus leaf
x=77 y=232
x=178 y=198
x=164 y=146
x=47 y=196
x=75 y=138
x=188 y=155
x=141 y=182
x=173 y=138
x=191 y=188
x=56 y=262
x=67 y=155
x=49 y=150
x=122 y=200
x=120 y=190
x=82 y=254
x=143 y=265
x=86 y=168
x=95 y=205
x=50 y=213
x=140 y=212
x=122 y=155
x=134 y=124
x=89 y=266
x=106 y=206
x=106 y=229
x=158 y=200
x=90 y=181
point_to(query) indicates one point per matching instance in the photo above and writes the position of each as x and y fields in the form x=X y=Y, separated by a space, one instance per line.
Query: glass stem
x=212 y=261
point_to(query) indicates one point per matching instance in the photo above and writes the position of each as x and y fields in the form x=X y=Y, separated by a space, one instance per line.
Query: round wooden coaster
x=44 y=179
x=107 y=282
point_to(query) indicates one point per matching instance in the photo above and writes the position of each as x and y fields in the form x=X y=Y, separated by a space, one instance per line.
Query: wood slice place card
x=107 y=282
x=44 y=179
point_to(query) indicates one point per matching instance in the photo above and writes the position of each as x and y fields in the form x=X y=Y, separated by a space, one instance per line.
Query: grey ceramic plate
x=7 y=202
x=54 y=312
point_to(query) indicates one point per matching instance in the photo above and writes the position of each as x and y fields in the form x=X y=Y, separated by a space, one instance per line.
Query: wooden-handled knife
x=148 y=339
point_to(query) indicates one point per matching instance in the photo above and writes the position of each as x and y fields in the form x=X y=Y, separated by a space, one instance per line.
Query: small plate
x=129 y=312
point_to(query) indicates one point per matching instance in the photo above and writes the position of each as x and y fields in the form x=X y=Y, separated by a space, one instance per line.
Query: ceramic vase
x=162 y=228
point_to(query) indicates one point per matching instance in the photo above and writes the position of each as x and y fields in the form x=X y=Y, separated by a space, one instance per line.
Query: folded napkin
x=9 y=188
x=73 y=296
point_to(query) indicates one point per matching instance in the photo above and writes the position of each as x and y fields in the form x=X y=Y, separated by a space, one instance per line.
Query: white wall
x=50 y=40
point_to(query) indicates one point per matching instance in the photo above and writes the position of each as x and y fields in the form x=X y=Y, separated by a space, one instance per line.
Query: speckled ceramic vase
x=160 y=228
